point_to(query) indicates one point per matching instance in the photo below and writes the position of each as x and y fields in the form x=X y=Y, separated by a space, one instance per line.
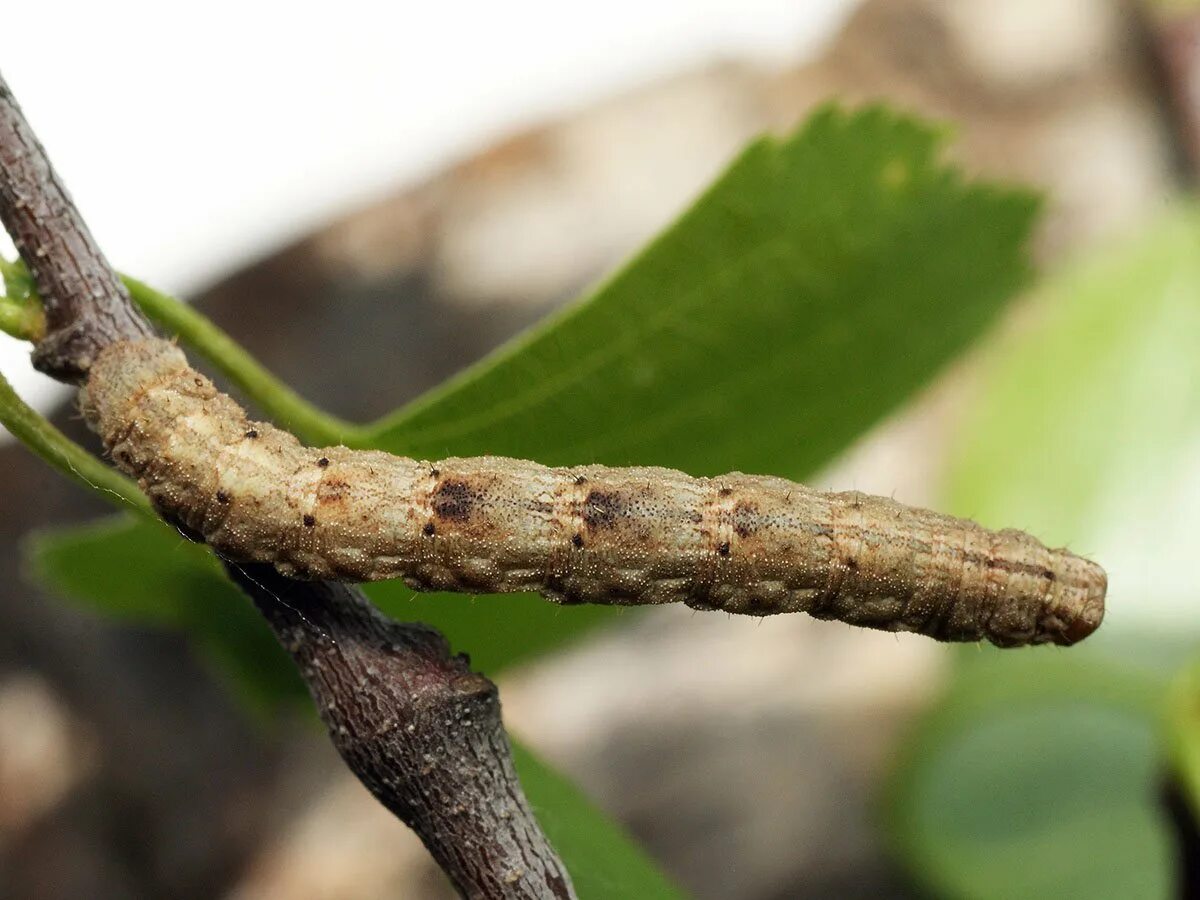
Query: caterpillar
x=745 y=544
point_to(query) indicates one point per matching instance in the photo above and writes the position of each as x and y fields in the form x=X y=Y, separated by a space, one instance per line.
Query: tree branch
x=420 y=730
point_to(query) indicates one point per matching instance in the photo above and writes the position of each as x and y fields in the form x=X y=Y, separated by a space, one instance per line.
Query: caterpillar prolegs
x=589 y=534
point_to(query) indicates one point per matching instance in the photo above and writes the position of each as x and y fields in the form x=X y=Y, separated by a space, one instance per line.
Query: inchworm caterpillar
x=591 y=534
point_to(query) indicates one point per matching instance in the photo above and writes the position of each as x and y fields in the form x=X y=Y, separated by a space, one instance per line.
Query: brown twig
x=420 y=730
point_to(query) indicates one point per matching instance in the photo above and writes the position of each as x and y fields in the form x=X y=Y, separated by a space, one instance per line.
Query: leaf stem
x=24 y=321
x=21 y=315
x=36 y=433
x=276 y=399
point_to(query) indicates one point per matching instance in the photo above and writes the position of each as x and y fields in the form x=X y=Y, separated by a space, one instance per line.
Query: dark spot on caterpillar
x=695 y=518
x=331 y=490
x=309 y=521
x=454 y=500
x=580 y=479
x=1049 y=575
x=540 y=506
x=323 y=461
x=252 y=434
x=199 y=382
x=723 y=548
x=429 y=530
x=744 y=515
x=601 y=509
x=434 y=473
x=222 y=497
x=577 y=539
x=852 y=563
x=725 y=492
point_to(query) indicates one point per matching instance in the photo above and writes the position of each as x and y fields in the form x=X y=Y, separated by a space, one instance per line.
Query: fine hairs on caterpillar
x=590 y=534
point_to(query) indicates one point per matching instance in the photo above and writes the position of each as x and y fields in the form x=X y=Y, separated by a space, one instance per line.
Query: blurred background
x=420 y=184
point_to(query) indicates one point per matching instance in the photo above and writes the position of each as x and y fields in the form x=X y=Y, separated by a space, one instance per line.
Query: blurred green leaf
x=1183 y=733
x=603 y=860
x=1036 y=777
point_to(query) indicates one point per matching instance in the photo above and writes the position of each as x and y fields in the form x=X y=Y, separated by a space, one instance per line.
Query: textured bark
x=417 y=727
x=740 y=543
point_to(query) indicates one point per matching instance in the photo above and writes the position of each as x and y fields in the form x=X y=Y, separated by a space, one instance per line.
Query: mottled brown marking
x=723 y=548
x=323 y=461
x=745 y=519
x=725 y=491
x=577 y=539
x=602 y=509
x=252 y=433
x=429 y=530
x=333 y=490
x=222 y=497
x=454 y=500
x=309 y=521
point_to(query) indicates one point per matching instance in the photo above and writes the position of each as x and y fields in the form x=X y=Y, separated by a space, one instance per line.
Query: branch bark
x=418 y=728
x=421 y=731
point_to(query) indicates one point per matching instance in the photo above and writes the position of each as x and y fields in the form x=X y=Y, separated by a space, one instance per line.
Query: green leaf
x=819 y=282
x=603 y=860
x=1035 y=777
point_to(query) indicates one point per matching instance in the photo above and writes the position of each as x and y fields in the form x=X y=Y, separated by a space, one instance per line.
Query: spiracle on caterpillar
x=590 y=534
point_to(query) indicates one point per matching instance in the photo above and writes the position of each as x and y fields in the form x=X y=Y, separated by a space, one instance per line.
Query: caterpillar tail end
x=1067 y=627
